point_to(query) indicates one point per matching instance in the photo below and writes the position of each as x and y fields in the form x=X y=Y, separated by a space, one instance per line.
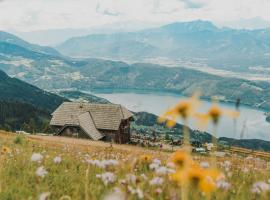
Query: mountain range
x=196 y=42
x=52 y=71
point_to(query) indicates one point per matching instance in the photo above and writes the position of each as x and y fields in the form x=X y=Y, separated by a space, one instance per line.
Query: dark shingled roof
x=104 y=116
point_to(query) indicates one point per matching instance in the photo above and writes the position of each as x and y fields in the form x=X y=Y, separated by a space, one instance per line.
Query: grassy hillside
x=39 y=167
x=15 y=116
x=15 y=90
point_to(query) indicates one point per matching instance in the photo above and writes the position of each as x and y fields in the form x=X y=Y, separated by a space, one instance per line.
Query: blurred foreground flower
x=183 y=109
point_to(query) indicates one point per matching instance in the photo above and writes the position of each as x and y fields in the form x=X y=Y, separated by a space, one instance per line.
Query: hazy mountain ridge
x=12 y=39
x=15 y=90
x=197 y=41
x=52 y=72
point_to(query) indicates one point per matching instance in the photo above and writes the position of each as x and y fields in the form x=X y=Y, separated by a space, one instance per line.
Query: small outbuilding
x=109 y=122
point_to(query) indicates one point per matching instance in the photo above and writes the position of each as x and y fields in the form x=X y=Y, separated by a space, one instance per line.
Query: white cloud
x=45 y=14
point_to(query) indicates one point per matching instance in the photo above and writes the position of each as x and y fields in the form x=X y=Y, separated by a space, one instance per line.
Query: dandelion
x=57 y=160
x=36 y=157
x=44 y=196
x=107 y=177
x=41 y=172
x=156 y=181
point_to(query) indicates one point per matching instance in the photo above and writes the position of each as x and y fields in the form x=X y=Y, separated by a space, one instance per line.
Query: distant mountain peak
x=197 y=25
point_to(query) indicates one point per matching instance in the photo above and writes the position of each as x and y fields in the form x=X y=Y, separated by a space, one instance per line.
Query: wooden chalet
x=109 y=122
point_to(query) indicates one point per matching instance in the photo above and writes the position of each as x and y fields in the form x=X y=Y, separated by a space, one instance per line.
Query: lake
x=251 y=124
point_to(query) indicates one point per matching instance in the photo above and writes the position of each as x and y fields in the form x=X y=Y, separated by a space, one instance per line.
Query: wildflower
x=157 y=161
x=41 y=172
x=207 y=185
x=195 y=175
x=222 y=184
x=102 y=163
x=154 y=166
x=36 y=157
x=145 y=158
x=260 y=187
x=214 y=114
x=117 y=194
x=139 y=193
x=57 y=160
x=156 y=181
x=44 y=196
x=5 y=150
x=181 y=159
x=204 y=165
x=164 y=170
x=107 y=177
x=184 y=109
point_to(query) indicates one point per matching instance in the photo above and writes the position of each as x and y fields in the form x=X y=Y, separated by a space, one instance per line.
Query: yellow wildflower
x=146 y=158
x=195 y=175
x=181 y=159
x=207 y=185
x=5 y=150
x=183 y=109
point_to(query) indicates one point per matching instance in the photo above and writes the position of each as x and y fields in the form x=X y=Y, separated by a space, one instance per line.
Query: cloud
x=193 y=4
x=30 y=15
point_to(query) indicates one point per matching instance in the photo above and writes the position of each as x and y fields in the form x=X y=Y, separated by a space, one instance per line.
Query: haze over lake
x=251 y=123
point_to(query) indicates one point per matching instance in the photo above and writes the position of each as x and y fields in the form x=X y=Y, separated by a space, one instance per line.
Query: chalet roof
x=104 y=116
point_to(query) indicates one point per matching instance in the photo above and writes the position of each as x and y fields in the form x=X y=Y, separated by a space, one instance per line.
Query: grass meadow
x=41 y=167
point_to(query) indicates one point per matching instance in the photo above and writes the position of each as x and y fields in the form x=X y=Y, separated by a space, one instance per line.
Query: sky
x=29 y=15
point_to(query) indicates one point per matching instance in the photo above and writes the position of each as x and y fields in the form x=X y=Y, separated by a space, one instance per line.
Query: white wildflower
x=41 y=172
x=44 y=196
x=204 y=165
x=139 y=193
x=153 y=166
x=222 y=184
x=260 y=187
x=156 y=181
x=36 y=157
x=157 y=161
x=164 y=171
x=57 y=160
x=107 y=177
x=117 y=194
x=102 y=163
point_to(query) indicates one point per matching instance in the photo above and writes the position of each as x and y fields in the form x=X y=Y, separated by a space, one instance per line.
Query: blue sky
x=28 y=15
